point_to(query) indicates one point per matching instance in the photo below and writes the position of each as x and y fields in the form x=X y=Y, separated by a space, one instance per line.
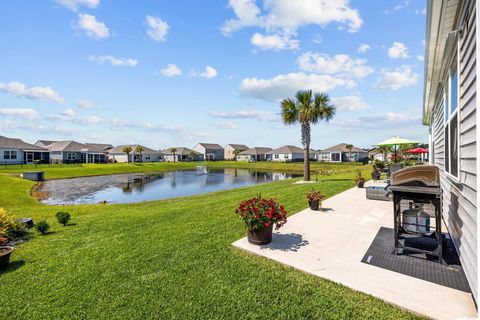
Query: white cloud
x=157 y=28
x=285 y=85
x=362 y=48
x=289 y=15
x=274 y=42
x=91 y=120
x=209 y=73
x=75 y=4
x=23 y=113
x=36 y=93
x=116 y=62
x=349 y=103
x=84 y=104
x=92 y=27
x=394 y=79
x=171 y=71
x=225 y=125
x=68 y=113
x=398 y=51
x=246 y=114
x=402 y=5
x=340 y=64
x=420 y=57
x=382 y=121
x=117 y=124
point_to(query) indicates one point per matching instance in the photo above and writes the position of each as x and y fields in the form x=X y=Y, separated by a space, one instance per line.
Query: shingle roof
x=240 y=147
x=98 y=147
x=210 y=145
x=341 y=147
x=67 y=146
x=256 y=150
x=119 y=149
x=181 y=151
x=13 y=143
x=286 y=150
x=45 y=142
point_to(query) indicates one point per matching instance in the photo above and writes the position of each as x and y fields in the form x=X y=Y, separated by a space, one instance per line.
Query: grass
x=169 y=259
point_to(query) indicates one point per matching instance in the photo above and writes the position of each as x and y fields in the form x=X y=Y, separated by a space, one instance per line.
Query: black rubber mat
x=450 y=274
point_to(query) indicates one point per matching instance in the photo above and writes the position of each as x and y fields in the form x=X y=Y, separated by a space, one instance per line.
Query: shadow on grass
x=335 y=180
x=287 y=242
x=12 y=266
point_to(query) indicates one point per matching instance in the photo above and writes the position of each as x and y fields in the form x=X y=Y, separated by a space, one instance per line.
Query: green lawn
x=169 y=259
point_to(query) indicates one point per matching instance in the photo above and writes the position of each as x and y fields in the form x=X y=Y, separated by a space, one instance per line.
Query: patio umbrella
x=395 y=141
x=417 y=151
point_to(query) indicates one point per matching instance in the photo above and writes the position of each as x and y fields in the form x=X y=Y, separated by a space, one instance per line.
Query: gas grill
x=417 y=200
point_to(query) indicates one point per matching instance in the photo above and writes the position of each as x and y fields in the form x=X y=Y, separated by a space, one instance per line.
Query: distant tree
x=236 y=152
x=173 y=151
x=139 y=150
x=349 y=147
x=384 y=150
x=127 y=150
x=306 y=108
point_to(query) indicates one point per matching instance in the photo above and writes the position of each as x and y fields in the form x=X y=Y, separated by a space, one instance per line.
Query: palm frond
x=289 y=111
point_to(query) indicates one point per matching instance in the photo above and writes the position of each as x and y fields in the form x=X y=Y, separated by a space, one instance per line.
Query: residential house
x=450 y=112
x=229 y=150
x=181 y=154
x=117 y=154
x=376 y=154
x=287 y=153
x=75 y=152
x=340 y=153
x=16 y=151
x=210 y=151
x=255 y=154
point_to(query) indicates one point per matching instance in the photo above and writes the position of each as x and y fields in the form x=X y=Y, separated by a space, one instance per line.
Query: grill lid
x=424 y=176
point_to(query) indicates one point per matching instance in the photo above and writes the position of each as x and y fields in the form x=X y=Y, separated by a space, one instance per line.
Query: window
x=336 y=157
x=71 y=156
x=276 y=156
x=9 y=155
x=451 y=121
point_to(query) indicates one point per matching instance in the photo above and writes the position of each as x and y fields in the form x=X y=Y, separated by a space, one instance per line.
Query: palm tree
x=384 y=150
x=307 y=108
x=192 y=155
x=127 y=150
x=173 y=150
x=236 y=152
x=349 y=147
x=139 y=150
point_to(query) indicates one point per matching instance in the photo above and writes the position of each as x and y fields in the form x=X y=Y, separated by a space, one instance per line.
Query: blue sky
x=174 y=73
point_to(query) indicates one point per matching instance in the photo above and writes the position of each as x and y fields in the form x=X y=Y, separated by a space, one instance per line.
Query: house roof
x=286 y=150
x=119 y=149
x=98 y=147
x=44 y=142
x=13 y=143
x=240 y=147
x=181 y=151
x=342 y=147
x=256 y=150
x=67 y=146
x=210 y=145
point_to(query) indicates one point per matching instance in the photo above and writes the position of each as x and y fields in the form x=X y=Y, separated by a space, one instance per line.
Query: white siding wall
x=288 y=157
x=459 y=199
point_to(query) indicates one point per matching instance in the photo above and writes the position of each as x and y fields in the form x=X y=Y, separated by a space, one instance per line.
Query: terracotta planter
x=260 y=236
x=314 y=205
x=5 y=253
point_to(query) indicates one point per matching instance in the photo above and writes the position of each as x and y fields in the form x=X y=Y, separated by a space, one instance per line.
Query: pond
x=137 y=187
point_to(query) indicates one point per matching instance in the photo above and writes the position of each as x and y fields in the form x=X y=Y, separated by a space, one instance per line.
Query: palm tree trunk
x=306 y=151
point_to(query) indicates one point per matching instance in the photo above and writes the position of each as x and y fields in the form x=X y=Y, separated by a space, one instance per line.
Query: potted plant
x=5 y=253
x=376 y=173
x=259 y=215
x=314 y=199
x=359 y=179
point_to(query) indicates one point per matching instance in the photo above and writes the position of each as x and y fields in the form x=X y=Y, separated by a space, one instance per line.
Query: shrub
x=63 y=217
x=9 y=227
x=313 y=196
x=359 y=177
x=258 y=213
x=379 y=164
x=42 y=227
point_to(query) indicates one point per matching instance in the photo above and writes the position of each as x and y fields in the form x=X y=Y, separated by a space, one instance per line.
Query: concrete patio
x=331 y=244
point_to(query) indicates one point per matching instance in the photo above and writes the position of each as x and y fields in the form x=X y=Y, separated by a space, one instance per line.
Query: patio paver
x=331 y=244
